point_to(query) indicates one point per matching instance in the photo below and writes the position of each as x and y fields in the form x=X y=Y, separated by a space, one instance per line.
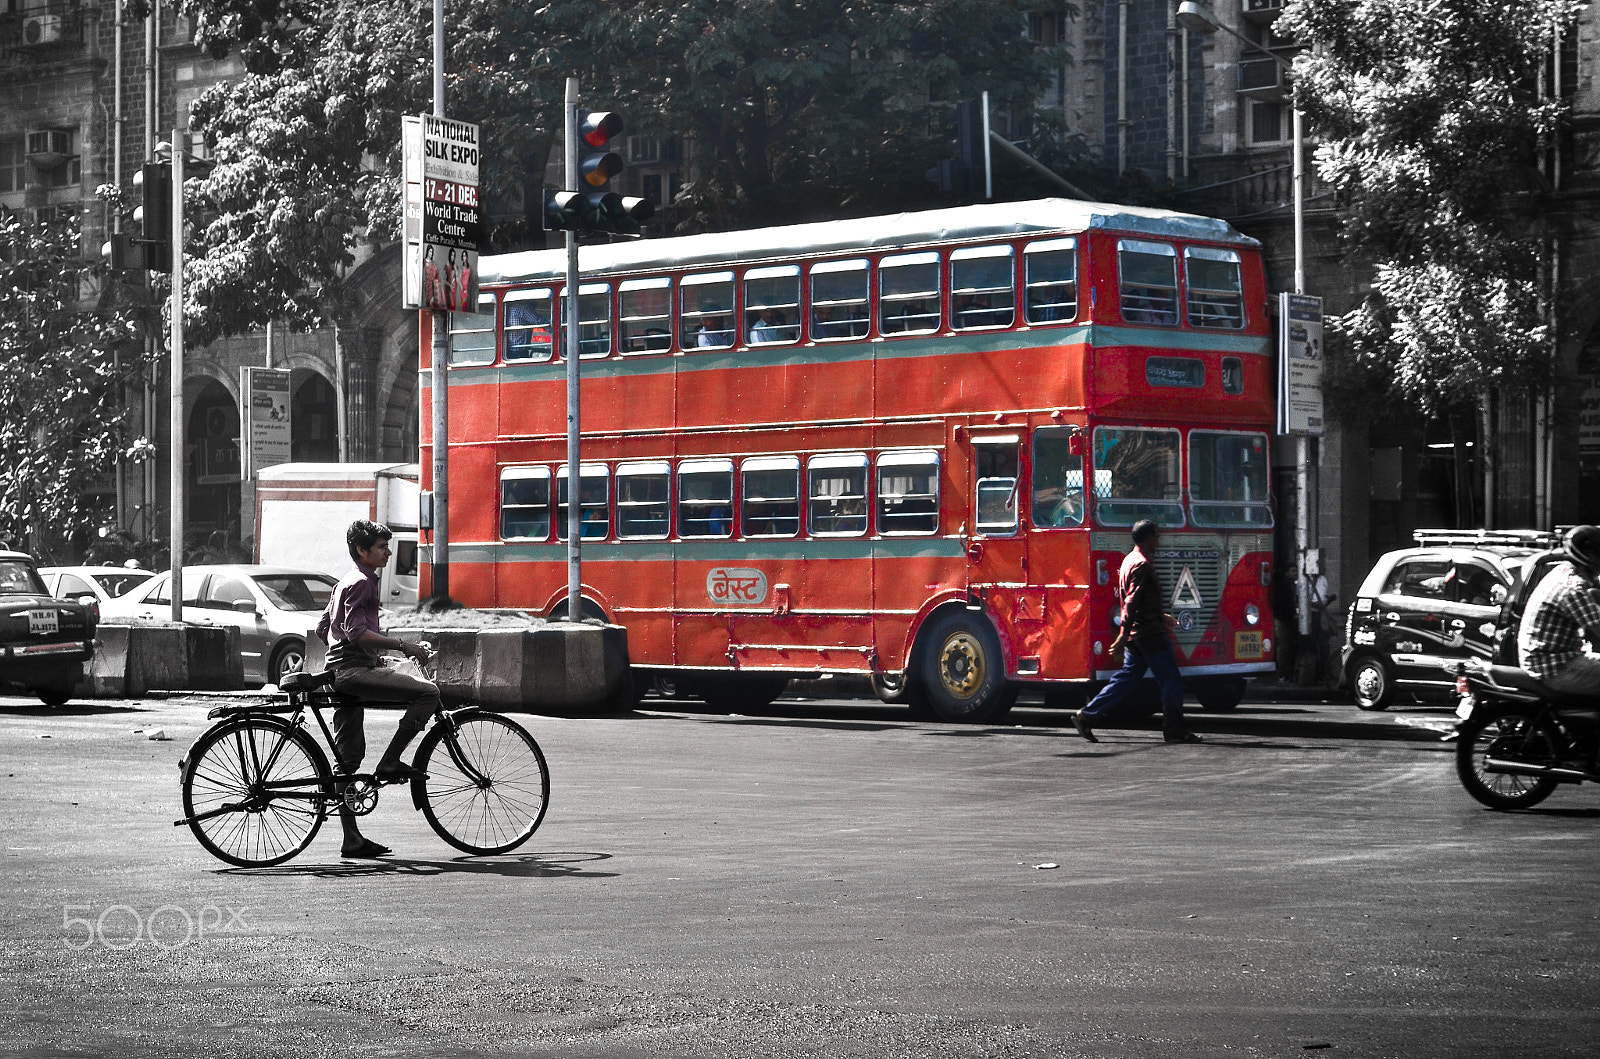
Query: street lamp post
x=1196 y=18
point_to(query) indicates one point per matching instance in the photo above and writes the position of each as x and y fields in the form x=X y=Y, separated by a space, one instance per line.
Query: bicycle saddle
x=306 y=681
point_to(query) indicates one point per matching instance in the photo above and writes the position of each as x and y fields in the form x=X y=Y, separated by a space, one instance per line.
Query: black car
x=1424 y=607
x=44 y=641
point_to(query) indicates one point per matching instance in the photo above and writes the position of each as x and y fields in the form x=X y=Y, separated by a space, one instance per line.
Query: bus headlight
x=1116 y=617
x=1099 y=647
x=1252 y=613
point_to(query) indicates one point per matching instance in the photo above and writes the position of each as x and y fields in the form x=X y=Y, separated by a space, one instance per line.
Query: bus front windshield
x=1228 y=480
x=1136 y=476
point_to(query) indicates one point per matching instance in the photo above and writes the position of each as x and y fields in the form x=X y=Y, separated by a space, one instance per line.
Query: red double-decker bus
x=907 y=447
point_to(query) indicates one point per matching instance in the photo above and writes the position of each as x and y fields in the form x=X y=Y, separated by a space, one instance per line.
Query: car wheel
x=290 y=657
x=1372 y=683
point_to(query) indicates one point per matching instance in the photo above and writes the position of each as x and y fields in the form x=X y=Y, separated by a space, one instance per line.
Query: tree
x=61 y=409
x=800 y=109
x=1432 y=120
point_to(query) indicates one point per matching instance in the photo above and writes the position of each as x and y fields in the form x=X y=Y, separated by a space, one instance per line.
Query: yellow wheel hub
x=961 y=665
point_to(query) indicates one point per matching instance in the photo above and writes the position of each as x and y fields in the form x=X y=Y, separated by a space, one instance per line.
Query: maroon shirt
x=351 y=611
x=1142 y=614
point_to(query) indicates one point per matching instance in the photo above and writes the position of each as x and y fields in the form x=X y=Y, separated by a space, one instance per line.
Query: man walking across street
x=1143 y=638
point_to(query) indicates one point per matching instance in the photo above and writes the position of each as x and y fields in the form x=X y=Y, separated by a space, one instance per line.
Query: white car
x=274 y=608
x=102 y=582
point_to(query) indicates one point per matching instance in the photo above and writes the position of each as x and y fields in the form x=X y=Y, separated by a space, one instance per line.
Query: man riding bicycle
x=1562 y=614
x=349 y=627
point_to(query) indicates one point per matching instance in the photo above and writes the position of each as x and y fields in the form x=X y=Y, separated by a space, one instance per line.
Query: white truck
x=303 y=510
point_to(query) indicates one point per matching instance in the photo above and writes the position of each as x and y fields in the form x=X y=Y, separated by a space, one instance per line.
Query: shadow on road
x=518 y=866
x=71 y=709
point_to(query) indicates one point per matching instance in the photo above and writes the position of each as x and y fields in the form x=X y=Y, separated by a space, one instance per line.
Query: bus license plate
x=1247 y=645
x=43 y=623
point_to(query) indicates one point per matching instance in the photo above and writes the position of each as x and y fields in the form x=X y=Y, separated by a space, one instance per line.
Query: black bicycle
x=257 y=787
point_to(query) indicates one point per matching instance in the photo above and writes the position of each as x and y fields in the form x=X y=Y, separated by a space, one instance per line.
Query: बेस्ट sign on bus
x=443 y=217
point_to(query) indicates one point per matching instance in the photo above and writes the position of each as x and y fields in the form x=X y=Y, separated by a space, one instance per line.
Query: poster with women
x=443 y=219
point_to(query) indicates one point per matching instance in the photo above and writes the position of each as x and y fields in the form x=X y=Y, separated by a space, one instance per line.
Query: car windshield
x=18 y=578
x=118 y=582
x=296 y=591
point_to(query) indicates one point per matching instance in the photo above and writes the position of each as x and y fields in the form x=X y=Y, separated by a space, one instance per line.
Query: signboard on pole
x=1300 y=365
x=443 y=220
x=264 y=434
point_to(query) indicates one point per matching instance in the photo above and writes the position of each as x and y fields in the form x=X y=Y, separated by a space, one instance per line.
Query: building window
x=13 y=162
x=1271 y=121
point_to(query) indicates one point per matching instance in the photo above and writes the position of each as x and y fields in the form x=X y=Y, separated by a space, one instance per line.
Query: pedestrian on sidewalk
x=1144 y=641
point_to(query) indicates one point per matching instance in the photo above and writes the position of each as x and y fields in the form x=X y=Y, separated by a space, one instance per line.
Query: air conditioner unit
x=1262 y=11
x=1263 y=78
x=41 y=29
x=643 y=149
x=47 y=147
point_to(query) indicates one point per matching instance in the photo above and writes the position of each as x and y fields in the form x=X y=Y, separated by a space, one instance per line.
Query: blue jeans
x=1122 y=685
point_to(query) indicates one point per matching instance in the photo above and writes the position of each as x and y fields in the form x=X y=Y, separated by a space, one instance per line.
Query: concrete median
x=131 y=660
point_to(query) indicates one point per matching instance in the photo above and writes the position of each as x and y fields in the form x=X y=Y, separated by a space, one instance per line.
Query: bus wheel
x=961 y=672
x=1218 y=694
x=738 y=693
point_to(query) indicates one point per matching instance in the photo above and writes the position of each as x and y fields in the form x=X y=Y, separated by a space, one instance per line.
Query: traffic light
x=592 y=207
x=149 y=246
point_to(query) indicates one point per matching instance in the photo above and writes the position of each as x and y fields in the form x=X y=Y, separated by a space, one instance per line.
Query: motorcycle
x=1517 y=740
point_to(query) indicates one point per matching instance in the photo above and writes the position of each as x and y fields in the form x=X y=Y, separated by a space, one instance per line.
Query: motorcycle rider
x=1562 y=614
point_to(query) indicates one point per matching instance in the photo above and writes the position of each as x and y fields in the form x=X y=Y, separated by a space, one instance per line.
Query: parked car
x=1421 y=608
x=102 y=582
x=44 y=641
x=275 y=609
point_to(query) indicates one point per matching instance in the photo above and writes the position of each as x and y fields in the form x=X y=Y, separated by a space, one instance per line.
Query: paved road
x=824 y=879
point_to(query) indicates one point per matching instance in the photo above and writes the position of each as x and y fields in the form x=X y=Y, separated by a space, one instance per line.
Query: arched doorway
x=211 y=513
x=313 y=419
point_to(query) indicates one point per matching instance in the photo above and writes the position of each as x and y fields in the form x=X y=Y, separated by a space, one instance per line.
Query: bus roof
x=985 y=221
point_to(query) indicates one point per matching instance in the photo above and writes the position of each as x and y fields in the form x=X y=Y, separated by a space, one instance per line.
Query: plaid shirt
x=1562 y=608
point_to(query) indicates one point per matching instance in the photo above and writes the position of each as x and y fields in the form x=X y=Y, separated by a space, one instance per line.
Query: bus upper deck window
x=1057 y=478
x=594 y=501
x=643 y=503
x=837 y=495
x=983 y=287
x=594 y=319
x=472 y=334
x=1137 y=476
x=1215 y=290
x=771 y=501
x=772 y=305
x=705 y=498
x=525 y=503
x=1052 y=280
x=529 y=335
x=705 y=311
x=839 y=300
x=644 y=315
x=1148 y=275
x=908 y=492
x=908 y=293
x=997 y=469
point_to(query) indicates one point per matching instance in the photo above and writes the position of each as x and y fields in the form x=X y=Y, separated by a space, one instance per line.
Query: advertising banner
x=1300 y=365
x=264 y=433
x=443 y=219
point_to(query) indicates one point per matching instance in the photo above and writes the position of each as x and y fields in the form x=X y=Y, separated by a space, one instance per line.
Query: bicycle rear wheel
x=487 y=790
x=255 y=791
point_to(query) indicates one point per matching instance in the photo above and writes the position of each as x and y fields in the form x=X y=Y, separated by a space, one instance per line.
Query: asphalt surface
x=820 y=879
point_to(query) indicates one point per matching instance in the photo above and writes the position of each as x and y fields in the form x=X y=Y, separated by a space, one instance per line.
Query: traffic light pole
x=177 y=441
x=574 y=478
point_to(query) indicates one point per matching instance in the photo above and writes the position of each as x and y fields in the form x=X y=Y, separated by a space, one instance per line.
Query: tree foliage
x=61 y=408
x=1431 y=120
x=799 y=108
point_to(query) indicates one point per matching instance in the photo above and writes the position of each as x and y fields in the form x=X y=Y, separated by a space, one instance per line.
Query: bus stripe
x=727 y=551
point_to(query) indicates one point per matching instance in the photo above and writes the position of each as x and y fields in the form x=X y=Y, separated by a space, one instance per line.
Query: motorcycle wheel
x=1513 y=734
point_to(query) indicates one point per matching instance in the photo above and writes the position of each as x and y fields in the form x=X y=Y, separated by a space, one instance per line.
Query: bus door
x=997 y=550
x=1058 y=555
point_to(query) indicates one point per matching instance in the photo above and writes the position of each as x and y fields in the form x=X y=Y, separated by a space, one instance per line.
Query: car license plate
x=43 y=623
x=1247 y=645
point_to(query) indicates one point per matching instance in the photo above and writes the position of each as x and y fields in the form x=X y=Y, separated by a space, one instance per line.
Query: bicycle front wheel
x=487 y=785
x=255 y=791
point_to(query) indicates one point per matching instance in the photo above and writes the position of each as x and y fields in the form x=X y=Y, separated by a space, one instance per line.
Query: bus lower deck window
x=837 y=495
x=1057 y=479
x=643 y=503
x=525 y=503
x=908 y=493
x=771 y=496
x=594 y=502
x=705 y=498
